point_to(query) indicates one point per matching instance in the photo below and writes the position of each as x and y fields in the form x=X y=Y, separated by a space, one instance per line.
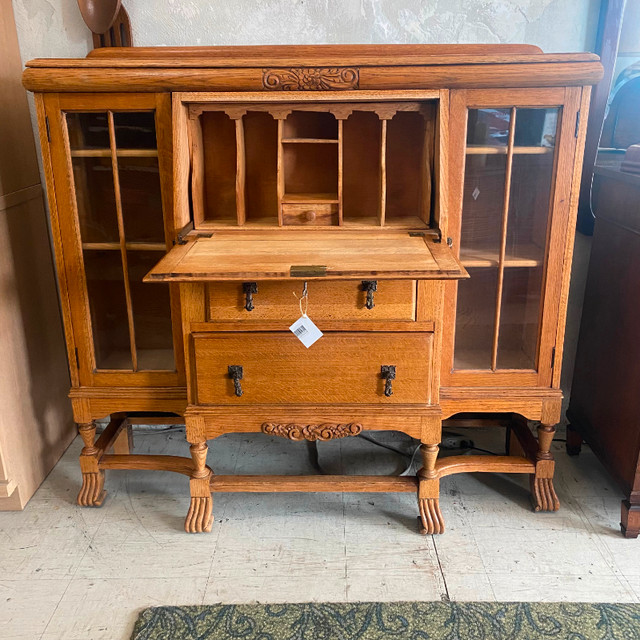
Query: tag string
x=303 y=300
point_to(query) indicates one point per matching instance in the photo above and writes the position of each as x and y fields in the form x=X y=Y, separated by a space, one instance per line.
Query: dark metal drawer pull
x=369 y=286
x=235 y=373
x=249 y=288
x=388 y=373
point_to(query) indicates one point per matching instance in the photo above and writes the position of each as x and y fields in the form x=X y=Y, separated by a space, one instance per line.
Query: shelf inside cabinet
x=330 y=198
x=309 y=141
x=470 y=360
x=492 y=150
x=129 y=246
x=120 y=153
x=153 y=359
x=527 y=256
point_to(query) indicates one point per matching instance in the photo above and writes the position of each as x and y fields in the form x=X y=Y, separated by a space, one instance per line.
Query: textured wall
x=49 y=28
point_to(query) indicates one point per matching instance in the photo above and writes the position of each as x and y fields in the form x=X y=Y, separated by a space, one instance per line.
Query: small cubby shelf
x=351 y=165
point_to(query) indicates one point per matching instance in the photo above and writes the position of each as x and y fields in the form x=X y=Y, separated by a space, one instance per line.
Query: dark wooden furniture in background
x=462 y=153
x=605 y=395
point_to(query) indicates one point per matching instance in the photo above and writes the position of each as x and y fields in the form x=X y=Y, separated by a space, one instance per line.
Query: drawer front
x=312 y=214
x=338 y=368
x=335 y=300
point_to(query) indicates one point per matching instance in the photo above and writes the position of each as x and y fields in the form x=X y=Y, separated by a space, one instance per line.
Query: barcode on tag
x=307 y=332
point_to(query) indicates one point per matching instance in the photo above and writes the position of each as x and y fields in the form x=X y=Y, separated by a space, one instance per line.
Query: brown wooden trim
x=137 y=79
x=307 y=51
x=360 y=484
x=327 y=326
x=294 y=57
x=483 y=464
x=147 y=463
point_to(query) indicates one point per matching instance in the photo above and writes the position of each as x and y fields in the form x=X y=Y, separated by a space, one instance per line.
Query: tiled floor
x=69 y=573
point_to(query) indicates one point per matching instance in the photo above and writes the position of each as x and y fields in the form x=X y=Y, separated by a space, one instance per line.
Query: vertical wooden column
x=383 y=171
x=426 y=169
x=340 y=169
x=280 y=168
x=503 y=238
x=123 y=247
x=196 y=147
x=240 y=171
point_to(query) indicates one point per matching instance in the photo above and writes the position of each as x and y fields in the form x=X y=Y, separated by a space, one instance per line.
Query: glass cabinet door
x=510 y=158
x=114 y=188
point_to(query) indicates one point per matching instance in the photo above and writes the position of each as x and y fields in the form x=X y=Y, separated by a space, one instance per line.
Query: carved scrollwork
x=325 y=431
x=311 y=79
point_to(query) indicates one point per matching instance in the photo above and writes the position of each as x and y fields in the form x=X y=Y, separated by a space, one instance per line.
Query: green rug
x=392 y=620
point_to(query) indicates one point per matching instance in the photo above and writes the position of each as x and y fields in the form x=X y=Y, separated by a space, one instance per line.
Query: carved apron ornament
x=325 y=431
x=311 y=78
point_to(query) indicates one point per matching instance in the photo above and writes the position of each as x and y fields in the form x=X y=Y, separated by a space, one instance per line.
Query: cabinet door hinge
x=553 y=357
x=46 y=124
x=577 y=123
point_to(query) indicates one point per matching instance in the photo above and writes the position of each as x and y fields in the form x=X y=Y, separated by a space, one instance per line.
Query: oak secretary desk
x=423 y=197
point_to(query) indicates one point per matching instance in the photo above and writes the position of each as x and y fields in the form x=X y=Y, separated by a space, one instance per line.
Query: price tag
x=306 y=331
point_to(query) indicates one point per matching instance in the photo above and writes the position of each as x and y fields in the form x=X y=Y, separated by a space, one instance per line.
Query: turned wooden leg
x=542 y=491
x=431 y=519
x=630 y=521
x=92 y=492
x=574 y=441
x=200 y=516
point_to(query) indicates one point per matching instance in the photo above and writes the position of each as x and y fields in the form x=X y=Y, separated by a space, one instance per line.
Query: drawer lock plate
x=308 y=271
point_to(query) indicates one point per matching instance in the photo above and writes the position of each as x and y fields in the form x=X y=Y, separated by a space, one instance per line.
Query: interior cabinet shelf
x=309 y=141
x=120 y=153
x=478 y=150
x=310 y=197
x=129 y=246
x=527 y=256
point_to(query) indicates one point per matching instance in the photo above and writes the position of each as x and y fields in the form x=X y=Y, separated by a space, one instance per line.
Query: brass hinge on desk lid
x=308 y=270
x=182 y=234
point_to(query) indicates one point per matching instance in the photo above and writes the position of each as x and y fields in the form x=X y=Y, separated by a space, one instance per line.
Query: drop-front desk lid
x=309 y=254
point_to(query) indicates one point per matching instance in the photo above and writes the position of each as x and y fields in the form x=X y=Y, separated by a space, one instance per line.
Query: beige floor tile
x=311 y=587
x=387 y=586
x=603 y=514
x=560 y=588
x=526 y=553
x=107 y=609
x=190 y=559
x=465 y=587
x=26 y=606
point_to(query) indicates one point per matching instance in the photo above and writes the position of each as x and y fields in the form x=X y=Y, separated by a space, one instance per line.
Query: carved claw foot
x=431 y=520
x=200 y=516
x=544 y=495
x=92 y=493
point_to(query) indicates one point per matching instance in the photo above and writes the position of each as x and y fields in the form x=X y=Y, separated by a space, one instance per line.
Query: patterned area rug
x=393 y=620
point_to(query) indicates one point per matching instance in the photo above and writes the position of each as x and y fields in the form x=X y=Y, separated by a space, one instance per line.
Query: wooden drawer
x=311 y=214
x=338 y=368
x=331 y=300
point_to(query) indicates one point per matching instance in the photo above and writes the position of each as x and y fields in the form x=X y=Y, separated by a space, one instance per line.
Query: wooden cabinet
x=417 y=202
x=605 y=402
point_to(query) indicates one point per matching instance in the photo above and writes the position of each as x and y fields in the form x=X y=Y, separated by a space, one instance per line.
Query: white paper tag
x=307 y=332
